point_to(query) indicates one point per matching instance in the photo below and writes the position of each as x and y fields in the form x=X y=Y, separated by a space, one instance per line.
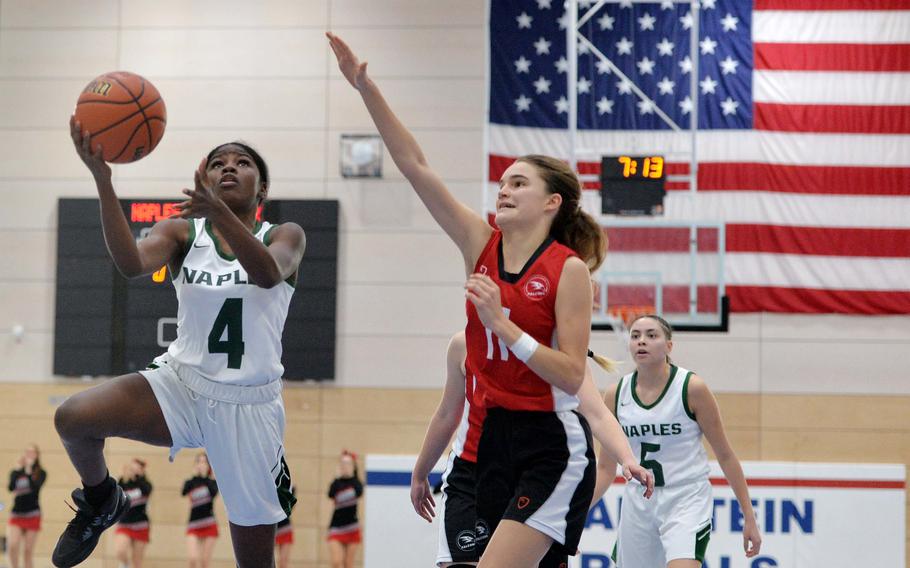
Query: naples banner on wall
x=812 y=515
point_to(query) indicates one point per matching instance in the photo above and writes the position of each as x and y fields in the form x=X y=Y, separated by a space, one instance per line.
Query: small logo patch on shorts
x=465 y=541
x=523 y=502
x=481 y=531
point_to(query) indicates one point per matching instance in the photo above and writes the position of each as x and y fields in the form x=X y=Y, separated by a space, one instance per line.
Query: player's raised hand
x=82 y=140
x=203 y=201
x=484 y=294
x=351 y=67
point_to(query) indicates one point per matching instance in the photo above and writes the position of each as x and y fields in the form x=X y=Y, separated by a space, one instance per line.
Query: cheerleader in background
x=132 y=534
x=344 y=530
x=25 y=518
x=202 y=529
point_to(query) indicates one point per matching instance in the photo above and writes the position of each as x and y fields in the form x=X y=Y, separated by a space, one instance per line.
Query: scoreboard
x=106 y=324
x=632 y=185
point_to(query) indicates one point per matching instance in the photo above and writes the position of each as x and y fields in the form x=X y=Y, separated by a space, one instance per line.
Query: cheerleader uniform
x=26 y=512
x=202 y=492
x=284 y=532
x=345 y=527
x=135 y=522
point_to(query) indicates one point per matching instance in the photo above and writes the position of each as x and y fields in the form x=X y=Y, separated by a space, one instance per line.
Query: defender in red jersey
x=458 y=415
x=529 y=321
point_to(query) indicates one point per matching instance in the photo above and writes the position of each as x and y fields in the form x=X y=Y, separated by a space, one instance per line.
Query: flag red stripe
x=751 y=176
x=817 y=301
x=670 y=168
x=668 y=185
x=775 y=239
x=853 y=119
x=652 y=239
x=832 y=57
x=828 y=5
x=829 y=180
x=840 y=241
x=675 y=297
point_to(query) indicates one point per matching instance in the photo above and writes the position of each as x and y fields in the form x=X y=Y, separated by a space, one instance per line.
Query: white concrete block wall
x=262 y=71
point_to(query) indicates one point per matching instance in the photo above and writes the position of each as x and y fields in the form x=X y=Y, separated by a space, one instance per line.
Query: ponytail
x=608 y=365
x=582 y=233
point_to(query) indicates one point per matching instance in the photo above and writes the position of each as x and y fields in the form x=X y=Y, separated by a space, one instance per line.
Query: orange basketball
x=124 y=113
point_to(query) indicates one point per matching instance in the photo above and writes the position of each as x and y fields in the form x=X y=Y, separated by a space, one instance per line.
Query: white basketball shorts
x=675 y=523
x=241 y=430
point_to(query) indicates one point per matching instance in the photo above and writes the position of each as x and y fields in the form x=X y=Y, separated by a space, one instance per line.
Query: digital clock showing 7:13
x=652 y=167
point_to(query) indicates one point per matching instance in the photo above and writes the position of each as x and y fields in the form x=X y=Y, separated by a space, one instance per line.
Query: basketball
x=124 y=113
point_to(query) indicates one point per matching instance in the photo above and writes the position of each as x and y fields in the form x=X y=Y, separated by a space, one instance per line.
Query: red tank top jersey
x=468 y=434
x=529 y=301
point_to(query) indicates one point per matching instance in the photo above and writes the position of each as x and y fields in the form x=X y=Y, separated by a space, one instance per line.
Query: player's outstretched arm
x=131 y=259
x=613 y=442
x=465 y=227
x=442 y=426
x=707 y=414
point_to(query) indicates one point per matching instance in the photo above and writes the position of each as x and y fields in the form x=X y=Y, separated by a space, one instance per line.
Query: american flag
x=804 y=130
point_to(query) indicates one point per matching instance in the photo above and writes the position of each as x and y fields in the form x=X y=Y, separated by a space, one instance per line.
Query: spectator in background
x=344 y=530
x=132 y=534
x=284 y=538
x=25 y=483
x=202 y=529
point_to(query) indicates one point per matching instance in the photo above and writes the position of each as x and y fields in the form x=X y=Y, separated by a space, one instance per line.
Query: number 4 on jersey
x=231 y=318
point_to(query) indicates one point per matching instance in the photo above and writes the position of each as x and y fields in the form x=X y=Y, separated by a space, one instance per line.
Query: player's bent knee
x=67 y=418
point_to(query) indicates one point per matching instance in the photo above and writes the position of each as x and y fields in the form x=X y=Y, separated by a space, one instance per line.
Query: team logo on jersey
x=523 y=502
x=537 y=287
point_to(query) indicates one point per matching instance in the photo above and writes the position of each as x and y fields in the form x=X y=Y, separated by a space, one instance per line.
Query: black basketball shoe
x=82 y=533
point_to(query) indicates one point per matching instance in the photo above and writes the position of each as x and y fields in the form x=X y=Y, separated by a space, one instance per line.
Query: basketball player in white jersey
x=219 y=384
x=456 y=415
x=664 y=411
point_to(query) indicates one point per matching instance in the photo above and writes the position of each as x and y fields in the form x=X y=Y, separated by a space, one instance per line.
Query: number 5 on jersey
x=230 y=319
x=656 y=468
x=503 y=350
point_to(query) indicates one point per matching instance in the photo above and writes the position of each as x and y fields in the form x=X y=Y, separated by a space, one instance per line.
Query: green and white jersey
x=664 y=435
x=228 y=329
